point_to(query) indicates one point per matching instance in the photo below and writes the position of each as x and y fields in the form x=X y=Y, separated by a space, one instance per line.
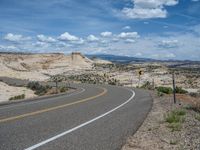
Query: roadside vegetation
x=94 y=79
x=46 y=89
x=38 y=88
x=175 y=119
x=18 y=97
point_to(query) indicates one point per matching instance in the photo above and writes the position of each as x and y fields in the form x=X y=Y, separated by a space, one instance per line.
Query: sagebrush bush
x=63 y=89
x=22 y=96
x=180 y=90
x=147 y=85
x=38 y=88
x=166 y=90
x=175 y=118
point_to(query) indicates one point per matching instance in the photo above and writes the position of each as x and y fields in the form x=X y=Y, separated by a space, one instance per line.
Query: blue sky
x=159 y=29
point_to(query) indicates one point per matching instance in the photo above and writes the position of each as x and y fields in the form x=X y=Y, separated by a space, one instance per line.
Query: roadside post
x=174 y=88
x=139 y=73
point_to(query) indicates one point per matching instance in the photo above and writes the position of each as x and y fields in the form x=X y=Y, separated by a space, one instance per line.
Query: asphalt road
x=95 y=117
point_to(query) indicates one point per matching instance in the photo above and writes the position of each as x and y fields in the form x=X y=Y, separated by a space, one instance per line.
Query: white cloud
x=15 y=37
x=41 y=44
x=92 y=38
x=78 y=42
x=145 y=9
x=130 y=41
x=8 y=48
x=128 y=35
x=126 y=28
x=169 y=43
x=106 y=34
x=43 y=38
x=68 y=37
x=195 y=0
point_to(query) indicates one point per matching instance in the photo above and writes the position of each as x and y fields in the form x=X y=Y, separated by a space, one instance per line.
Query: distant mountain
x=127 y=59
x=120 y=59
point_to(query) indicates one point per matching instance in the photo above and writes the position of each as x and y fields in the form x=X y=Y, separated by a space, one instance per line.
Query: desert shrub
x=147 y=85
x=180 y=90
x=38 y=88
x=197 y=116
x=194 y=106
x=166 y=90
x=63 y=89
x=22 y=96
x=175 y=118
x=175 y=126
x=193 y=94
x=160 y=94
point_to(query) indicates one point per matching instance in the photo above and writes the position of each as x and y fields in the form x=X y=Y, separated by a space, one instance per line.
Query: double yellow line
x=52 y=108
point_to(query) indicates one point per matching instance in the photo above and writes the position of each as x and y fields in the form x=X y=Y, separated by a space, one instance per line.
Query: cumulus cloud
x=106 y=34
x=15 y=37
x=145 y=9
x=68 y=37
x=43 y=38
x=129 y=35
x=92 y=38
x=170 y=46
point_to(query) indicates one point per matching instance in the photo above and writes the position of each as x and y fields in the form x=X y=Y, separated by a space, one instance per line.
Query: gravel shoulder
x=155 y=134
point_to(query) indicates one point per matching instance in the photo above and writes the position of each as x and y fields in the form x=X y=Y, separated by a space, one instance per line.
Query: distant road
x=96 y=117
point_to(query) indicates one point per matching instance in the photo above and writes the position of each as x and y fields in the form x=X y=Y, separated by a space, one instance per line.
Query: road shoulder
x=155 y=134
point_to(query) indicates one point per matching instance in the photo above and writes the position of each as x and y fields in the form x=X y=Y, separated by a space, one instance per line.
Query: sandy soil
x=155 y=135
x=7 y=91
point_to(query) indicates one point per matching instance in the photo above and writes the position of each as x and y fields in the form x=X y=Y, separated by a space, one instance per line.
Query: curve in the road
x=53 y=108
x=102 y=123
x=81 y=125
x=27 y=102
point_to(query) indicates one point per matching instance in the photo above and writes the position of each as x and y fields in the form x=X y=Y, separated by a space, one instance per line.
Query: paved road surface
x=95 y=117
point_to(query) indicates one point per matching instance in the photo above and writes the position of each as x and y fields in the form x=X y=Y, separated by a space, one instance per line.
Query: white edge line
x=39 y=101
x=80 y=126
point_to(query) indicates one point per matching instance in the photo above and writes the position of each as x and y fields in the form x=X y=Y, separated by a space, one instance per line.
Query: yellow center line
x=52 y=108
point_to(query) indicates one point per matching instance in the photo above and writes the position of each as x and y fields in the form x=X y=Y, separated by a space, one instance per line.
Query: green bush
x=38 y=88
x=22 y=96
x=63 y=89
x=180 y=90
x=166 y=90
x=180 y=112
x=175 y=126
x=175 y=118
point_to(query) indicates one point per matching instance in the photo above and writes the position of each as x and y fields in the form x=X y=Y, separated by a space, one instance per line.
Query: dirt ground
x=154 y=134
